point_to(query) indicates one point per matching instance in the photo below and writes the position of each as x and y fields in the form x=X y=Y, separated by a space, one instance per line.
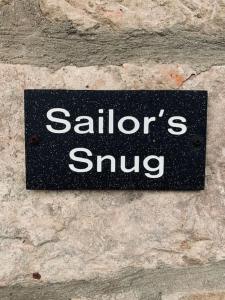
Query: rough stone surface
x=140 y=284
x=56 y=33
x=208 y=296
x=199 y=296
x=138 y=14
x=111 y=245
x=81 y=236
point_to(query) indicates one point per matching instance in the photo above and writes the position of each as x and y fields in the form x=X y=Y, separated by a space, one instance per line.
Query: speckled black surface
x=47 y=154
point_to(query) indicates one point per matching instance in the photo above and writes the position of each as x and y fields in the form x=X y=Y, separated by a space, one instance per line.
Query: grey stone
x=130 y=284
x=84 y=33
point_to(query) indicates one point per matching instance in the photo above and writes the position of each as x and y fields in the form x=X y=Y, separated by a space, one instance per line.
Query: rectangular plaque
x=146 y=140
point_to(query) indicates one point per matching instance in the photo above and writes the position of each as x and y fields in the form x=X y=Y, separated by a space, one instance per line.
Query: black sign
x=152 y=140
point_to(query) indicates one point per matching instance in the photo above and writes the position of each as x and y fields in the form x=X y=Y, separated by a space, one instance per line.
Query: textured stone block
x=197 y=296
x=56 y=33
x=96 y=234
x=137 y=14
x=117 y=245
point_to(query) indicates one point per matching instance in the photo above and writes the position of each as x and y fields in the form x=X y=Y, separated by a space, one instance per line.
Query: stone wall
x=129 y=245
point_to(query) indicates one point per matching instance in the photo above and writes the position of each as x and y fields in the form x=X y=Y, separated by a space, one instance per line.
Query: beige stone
x=85 y=33
x=118 y=296
x=138 y=14
x=3 y=2
x=62 y=10
x=120 y=245
x=218 y=295
x=90 y=234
